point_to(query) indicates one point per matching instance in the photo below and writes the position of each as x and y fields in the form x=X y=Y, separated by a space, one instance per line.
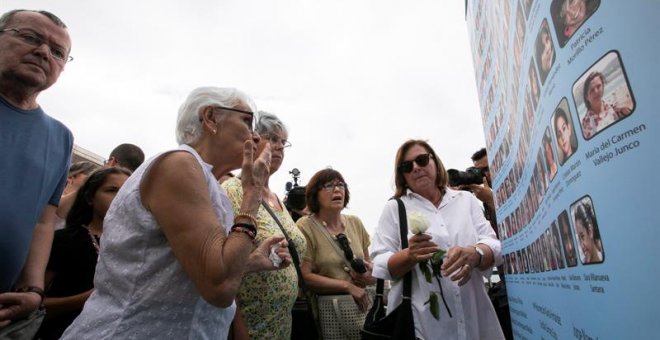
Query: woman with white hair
x=173 y=252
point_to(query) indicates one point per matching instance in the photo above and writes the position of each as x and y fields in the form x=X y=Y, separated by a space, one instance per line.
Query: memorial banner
x=569 y=97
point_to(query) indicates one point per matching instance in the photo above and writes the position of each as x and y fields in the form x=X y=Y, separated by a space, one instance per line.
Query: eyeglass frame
x=407 y=167
x=330 y=186
x=216 y=106
x=285 y=143
x=38 y=41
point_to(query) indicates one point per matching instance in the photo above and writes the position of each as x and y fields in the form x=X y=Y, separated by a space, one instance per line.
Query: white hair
x=189 y=125
x=267 y=123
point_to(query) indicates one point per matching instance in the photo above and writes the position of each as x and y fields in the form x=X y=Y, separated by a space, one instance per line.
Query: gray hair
x=6 y=18
x=267 y=123
x=189 y=125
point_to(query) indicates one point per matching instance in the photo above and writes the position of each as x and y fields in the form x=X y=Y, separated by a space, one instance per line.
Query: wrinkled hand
x=364 y=279
x=484 y=193
x=459 y=262
x=255 y=172
x=420 y=248
x=15 y=306
x=259 y=259
x=360 y=296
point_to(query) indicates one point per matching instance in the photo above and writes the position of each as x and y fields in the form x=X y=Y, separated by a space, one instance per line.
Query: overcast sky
x=352 y=79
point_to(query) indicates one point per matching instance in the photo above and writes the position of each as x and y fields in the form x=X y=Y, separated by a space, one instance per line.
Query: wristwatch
x=481 y=255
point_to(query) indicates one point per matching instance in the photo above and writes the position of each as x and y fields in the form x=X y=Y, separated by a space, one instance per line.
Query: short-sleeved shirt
x=326 y=260
x=35 y=150
x=593 y=122
x=73 y=260
x=266 y=298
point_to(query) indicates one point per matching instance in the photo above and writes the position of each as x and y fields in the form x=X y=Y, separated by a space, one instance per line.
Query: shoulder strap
x=327 y=235
x=403 y=231
x=291 y=246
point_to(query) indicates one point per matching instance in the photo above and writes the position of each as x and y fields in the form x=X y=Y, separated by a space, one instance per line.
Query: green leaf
x=435 y=306
x=437 y=257
x=424 y=267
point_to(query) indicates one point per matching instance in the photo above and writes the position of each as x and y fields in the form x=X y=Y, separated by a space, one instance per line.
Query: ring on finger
x=469 y=267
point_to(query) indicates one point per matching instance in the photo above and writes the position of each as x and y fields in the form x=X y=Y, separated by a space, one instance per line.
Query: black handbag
x=399 y=324
x=304 y=326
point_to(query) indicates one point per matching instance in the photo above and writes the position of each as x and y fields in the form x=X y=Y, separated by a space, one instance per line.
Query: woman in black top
x=70 y=271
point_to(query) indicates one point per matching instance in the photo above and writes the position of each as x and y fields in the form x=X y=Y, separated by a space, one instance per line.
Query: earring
x=214 y=131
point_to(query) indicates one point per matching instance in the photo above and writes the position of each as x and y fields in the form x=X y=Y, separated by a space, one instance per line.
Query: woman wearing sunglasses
x=337 y=258
x=456 y=224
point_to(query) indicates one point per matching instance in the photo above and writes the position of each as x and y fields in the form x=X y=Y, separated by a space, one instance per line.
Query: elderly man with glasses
x=34 y=48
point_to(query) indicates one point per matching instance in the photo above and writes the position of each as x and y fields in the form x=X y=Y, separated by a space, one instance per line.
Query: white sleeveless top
x=141 y=290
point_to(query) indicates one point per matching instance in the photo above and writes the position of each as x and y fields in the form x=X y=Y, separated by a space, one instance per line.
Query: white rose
x=417 y=223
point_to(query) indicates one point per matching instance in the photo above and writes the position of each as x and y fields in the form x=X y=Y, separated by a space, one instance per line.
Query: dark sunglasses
x=421 y=160
x=356 y=263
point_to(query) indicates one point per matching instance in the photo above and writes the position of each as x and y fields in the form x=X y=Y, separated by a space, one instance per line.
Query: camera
x=356 y=264
x=295 y=196
x=471 y=175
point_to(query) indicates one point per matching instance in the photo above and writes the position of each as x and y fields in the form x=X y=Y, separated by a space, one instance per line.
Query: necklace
x=273 y=203
x=95 y=240
x=332 y=230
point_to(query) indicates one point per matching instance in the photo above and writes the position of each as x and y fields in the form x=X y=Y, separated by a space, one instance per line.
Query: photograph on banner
x=519 y=39
x=549 y=153
x=535 y=88
x=569 y=15
x=545 y=51
x=556 y=246
x=567 y=239
x=564 y=132
x=602 y=95
x=587 y=232
x=528 y=7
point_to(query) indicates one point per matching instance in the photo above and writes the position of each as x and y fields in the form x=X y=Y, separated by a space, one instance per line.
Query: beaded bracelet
x=248 y=216
x=248 y=229
x=32 y=289
x=248 y=226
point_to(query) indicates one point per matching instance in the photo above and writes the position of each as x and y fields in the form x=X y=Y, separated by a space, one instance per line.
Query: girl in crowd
x=265 y=299
x=333 y=239
x=455 y=224
x=75 y=250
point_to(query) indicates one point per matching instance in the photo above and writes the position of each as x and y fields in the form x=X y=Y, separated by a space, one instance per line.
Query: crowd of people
x=175 y=247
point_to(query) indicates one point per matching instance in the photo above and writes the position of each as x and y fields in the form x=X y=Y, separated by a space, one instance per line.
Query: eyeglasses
x=331 y=186
x=35 y=40
x=274 y=139
x=250 y=124
x=421 y=160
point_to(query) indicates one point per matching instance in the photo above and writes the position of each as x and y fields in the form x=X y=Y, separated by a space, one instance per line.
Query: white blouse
x=458 y=221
